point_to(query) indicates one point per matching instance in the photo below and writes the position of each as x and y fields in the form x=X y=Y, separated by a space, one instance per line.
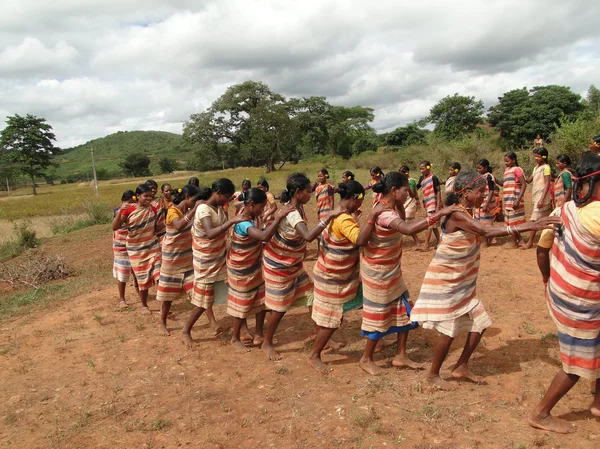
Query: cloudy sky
x=92 y=68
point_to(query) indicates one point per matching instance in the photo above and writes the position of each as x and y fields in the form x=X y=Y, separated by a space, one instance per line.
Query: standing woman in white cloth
x=448 y=301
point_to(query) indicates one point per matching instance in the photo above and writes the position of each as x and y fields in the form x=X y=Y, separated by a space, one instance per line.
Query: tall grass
x=25 y=239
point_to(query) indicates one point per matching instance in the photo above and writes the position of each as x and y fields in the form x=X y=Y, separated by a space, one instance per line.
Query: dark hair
x=263 y=182
x=564 y=158
x=350 y=189
x=485 y=163
x=596 y=138
x=254 y=195
x=376 y=170
x=542 y=152
x=404 y=168
x=456 y=166
x=186 y=190
x=142 y=188
x=162 y=188
x=194 y=181
x=246 y=183
x=224 y=186
x=127 y=195
x=513 y=156
x=348 y=174
x=204 y=194
x=426 y=164
x=294 y=182
x=152 y=183
x=325 y=172
x=392 y=179
x=589 y=163
x=465 y=178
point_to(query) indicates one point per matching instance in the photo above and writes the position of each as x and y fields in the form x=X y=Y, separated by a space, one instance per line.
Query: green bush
x=573 y=138
x=26 y=238
x=98 y=212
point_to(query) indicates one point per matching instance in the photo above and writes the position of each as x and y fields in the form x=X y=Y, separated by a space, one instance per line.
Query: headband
x=470 y=184
x=587 y=176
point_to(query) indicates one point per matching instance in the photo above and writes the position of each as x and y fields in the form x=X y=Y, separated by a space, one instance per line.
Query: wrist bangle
x=371 y=222
x=322 y=223
x=545 y=281
x=187 y=219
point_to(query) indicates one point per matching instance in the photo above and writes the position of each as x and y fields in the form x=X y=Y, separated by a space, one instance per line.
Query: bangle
x=322 y=224
x=371 y=222
x=431 y=220
x=509 y=230
x=187 y=219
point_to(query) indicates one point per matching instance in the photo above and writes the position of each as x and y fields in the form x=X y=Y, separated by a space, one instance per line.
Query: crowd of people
x=251 y=257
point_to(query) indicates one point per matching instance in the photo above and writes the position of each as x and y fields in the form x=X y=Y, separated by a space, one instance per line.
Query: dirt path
x=81 y=374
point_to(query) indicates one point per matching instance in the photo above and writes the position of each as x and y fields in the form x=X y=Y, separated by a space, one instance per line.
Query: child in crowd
x=376 y=175
x=121 y=265
x=412 y=200
x=453 y=170
x=432 y=198
x=563 y=185
x=514 y=187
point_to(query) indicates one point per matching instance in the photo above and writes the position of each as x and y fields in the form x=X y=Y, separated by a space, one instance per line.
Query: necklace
x=466 y=210
x=386 y=203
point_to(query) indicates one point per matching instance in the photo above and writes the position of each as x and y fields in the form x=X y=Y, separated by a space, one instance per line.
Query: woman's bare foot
x=218 y=329
x=318 y=365
x=146 y=311
x=369 y=367
x=550 y=423
x=258 y=340
x=510 y=245
x=246 y=337
x=405 y=362
x=463 y=372
x=438 y=382
x=270 y=352
x=162 y=330
x=239 y=346
x=187 y=340
x=334 y=345
x=383 y=344
x=122 y=304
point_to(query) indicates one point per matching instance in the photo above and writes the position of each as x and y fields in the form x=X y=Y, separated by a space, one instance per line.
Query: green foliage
x=592 y=102
x=26 y=238
x=521 y=115
x=136 y=165
x=167 y=165
x=573 y=137
x=403 y=136
x=28 y=142
x=456 y=116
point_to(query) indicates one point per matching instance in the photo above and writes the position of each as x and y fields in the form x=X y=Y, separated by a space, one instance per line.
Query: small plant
x=529 y=329
x=122 y=338
x=98 y=318
x=91 y=365
x=549 y=336
x=282 y=370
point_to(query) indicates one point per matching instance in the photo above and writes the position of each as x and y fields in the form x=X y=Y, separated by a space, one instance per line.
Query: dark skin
x=299 y=198
x=144 y=200
x=569 y=192
x=187 y=208
x=324 y=334
x=391 y=200
x=471 y=199
x=253 y=210
x=541 y=417
x=217 y=199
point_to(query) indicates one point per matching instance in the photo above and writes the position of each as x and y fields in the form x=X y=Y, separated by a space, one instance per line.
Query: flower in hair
x=428 y=167
x=134 y=198
x=359 y=196
x=178 y=190
x=456 y=170
x=544 y=157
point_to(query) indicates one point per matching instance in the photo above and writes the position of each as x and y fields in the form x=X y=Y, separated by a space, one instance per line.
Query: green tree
x=592 y=101
x=28 y=141
x=521 y=115
x=167 y=165
x=136 y=165
x=456 y=116
x=403 y=136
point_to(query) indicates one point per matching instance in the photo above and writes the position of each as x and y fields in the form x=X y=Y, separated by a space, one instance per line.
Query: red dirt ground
x=79 y=374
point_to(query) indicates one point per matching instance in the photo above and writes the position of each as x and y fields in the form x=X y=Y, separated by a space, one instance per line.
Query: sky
x=92 y=68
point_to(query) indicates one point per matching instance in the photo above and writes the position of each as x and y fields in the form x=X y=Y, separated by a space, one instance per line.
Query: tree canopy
x=456 y=116
x=28 y=142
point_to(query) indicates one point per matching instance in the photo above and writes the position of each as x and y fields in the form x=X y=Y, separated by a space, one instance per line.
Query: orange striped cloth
x=161 y=227
x=121 y=265
x=385 y=294
x=450 y=184
x=574 y=292
x=538 y=185
x=336 y=277
x=246 y=294
x=286 y=282
x=142 y=246
x=325 y=201
x=560 y=191
x=511 y=190
x=486 y=217
x=429 y=194
x=448 y=299
x=208 y=257
x=237 y=204
x=177 y=269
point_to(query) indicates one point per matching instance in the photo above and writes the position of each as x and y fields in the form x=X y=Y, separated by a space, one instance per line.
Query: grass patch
x=15 y=303
x=26 y=239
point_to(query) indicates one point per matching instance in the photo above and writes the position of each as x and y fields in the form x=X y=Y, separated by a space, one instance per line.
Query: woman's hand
x=283 y=211
x=545 y=223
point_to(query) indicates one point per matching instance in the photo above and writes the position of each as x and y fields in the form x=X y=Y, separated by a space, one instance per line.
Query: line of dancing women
x=254 y=260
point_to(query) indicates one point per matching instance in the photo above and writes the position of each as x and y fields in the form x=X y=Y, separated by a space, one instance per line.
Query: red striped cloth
x=429 y=196
x=511 y=190
x=325 y=200
x=142 y=246
x=121 y=265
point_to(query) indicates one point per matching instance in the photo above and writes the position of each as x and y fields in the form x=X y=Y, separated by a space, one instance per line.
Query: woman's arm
x=310 y=235
x=272 y=208
x=462 y=221
x=264 y=235
x=522 y=183
x=540 y=203
x=543 y=261
x=119 y=219
x=417 y=226
x=188 y=217
x=213 y=233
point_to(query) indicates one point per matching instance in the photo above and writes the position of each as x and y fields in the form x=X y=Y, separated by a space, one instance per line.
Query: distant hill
x=108 y=151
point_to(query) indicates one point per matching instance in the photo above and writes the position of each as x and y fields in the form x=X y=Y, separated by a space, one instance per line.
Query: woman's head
x=347 y=176
x=540 y=155
x=425 y=168
x=263 y=184
x=469 y=185
x=167 y=191
x=588 y=179
x=484 y=167
x=187 y=194
x=222 y=190
x=323 y=176
x=353 y=193
x=510 y=159
x=454 y=168
x=376 y=173
x=144 y=194
x=254 y=200
x=405 y=170
x=595 y=144
x=128 y=196
x=297 y=186
x=563 y=161
x=394 y=185
x=194 y=181
x=153 y=185
x=246 y=184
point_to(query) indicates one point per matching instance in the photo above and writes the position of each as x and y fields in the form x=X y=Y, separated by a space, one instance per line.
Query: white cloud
x=95 y=67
